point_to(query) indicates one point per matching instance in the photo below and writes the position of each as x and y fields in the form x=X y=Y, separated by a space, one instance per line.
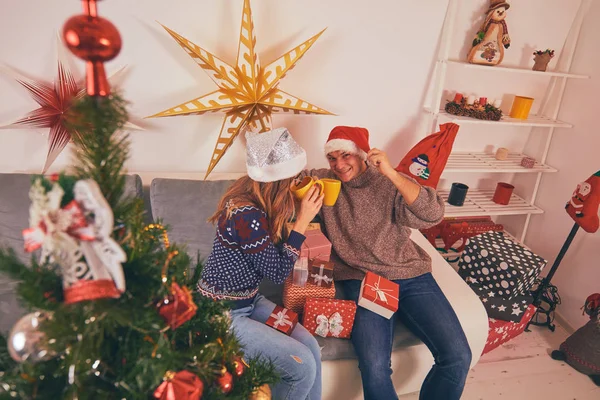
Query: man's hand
x=380 y=160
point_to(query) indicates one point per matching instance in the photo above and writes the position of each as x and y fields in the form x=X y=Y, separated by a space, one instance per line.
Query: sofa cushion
x=184 y=206
x=14 y=217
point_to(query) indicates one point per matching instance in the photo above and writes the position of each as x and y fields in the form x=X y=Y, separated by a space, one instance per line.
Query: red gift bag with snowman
x=426 y=161
x=583 y=205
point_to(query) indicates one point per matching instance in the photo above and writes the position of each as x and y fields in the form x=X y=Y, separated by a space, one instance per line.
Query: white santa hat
x=273 y=155
x=349 y=139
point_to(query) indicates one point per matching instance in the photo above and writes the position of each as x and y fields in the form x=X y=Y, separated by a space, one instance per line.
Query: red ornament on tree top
x=95 y=40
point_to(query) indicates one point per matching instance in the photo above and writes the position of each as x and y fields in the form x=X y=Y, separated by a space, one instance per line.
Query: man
x=369 y=228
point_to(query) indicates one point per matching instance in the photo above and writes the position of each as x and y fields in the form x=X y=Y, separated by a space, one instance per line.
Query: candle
x=471 y=100
x=497 y=103
x=482 y=101
x=458 y=97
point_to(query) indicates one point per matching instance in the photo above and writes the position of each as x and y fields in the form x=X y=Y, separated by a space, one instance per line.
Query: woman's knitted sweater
x=243 y=253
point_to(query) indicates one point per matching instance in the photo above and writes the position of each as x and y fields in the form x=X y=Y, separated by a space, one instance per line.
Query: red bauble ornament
x=92 y=38
x=95 y=40
x=178 y=307
x=225 y=381
x=182 y=385
x=239 y=366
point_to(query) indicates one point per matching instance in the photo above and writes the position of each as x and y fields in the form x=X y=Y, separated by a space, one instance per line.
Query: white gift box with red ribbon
x=379 y=295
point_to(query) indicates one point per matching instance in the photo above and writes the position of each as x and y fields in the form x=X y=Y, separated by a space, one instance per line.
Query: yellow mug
x=299 y=190
x=330 y=187
x=521 y=107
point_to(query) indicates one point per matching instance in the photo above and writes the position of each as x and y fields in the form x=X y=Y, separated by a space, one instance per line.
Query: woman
x=253 y=242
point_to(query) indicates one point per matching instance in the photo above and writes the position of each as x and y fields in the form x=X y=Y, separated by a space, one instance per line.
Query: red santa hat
x=349 y=139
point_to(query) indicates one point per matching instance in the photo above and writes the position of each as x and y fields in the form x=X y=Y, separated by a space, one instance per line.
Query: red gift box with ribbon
x=316 y=246
x=329 y=317
x=379 y=295
x=321 y=273
x=283 y=320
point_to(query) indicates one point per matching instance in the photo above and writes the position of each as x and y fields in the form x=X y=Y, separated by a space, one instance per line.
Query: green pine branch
x=120 y=348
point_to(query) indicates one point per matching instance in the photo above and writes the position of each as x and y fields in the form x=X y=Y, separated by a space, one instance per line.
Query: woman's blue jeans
x=426 y=312
x=297 y=358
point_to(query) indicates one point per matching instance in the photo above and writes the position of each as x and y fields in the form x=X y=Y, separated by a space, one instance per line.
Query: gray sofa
x=184 y=205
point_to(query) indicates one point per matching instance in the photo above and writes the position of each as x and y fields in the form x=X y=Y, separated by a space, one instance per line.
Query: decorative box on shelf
x=500 y=264
x=329 y=317
x=283 y=320
x=379 y=295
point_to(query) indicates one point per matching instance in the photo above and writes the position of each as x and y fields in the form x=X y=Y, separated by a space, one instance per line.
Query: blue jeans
x=297 y=358
x=426 y=312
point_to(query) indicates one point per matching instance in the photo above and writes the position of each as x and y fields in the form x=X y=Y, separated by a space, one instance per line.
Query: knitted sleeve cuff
x=295 y=240
x=428 y=205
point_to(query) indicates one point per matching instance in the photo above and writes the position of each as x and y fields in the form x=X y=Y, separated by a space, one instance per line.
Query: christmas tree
x=113 y=313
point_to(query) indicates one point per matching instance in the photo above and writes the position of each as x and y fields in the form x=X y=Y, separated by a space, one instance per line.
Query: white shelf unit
x=532 y=121
x=502 y=68
x=482 y=162
x=478 y=201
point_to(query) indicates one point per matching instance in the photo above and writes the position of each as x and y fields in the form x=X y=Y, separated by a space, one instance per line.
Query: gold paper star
x=248 y=92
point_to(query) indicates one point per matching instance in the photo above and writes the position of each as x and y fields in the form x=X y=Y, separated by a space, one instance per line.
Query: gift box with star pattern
x=500 y=308
x=500 y=332
x=500 y=265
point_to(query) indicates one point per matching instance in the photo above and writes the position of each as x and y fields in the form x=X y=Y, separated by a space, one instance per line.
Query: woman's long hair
x=275 y=198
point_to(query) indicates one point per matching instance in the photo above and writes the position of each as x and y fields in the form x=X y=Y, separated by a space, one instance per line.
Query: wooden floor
x=522 y=369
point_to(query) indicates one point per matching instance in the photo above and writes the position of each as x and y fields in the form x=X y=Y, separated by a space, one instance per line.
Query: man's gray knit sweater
x=369 y=227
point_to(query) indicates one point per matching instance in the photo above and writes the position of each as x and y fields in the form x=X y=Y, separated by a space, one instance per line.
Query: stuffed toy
x=492 y=37
x=583 y=205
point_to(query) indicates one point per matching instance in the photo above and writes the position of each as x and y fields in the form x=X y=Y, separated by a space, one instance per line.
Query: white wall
x=371 y=67
x=575 y=153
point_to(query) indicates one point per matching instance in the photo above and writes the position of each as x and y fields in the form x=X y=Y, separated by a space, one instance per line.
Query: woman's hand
x=309 y=207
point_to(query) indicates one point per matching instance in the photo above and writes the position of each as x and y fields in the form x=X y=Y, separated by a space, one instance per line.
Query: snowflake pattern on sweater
x=243 y=253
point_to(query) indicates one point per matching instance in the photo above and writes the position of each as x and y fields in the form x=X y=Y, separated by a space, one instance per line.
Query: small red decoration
x=182 y=385
x=239 y=366
x=482 y=101
x=55 y=101
x=95 y=40
x=283 y=320
x=225 y=381
x=458 y=97
x=178 y=307
x=379 y=295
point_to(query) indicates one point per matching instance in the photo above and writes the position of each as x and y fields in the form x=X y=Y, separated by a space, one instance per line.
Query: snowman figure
x=492 y=37
x=419 y=166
